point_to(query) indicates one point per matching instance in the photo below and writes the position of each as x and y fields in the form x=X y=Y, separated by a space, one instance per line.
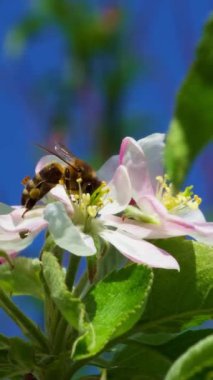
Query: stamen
x=88 y=205
x=79 y=181
x=166 y=193
x=92 y=211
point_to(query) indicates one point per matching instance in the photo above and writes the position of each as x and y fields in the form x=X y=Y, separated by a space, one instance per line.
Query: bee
x=68 y=172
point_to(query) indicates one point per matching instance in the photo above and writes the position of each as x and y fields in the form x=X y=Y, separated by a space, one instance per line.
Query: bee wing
x=63 y=153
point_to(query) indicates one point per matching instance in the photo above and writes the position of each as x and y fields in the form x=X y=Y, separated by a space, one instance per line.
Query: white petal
x=134 y=228
x=15 y=243
x=65 y=234
x=120 y=192
x=203 y=233
x=46 y=160
x=191 y=215
x=16 y=232
x=132 y=156
x=106 y=171
x=59 y=193
x=140 y=251
x=13 y=223
x=153 y=147
x=152 y=207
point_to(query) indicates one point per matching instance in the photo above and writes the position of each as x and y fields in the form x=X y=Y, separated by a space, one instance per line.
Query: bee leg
x=29 y=205
x=31 y=198
x=68 y=180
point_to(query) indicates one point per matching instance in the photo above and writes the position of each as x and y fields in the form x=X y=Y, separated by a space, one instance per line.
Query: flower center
x=88 y=205
x=175 y=202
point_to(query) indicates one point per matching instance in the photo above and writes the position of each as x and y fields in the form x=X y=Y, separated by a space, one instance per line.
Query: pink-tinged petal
x=123 y=148
x=174 y=225
x=19 y=214
x=203 y=233
x=11 y=255
x=16 y=243
x=120 y=192
x=106 y=172
x=17 y=238
x=17 y=232
x=153 y=148
x=191 y=215
x=140 y=251
x=134 y=228
x=169 y=224
x=65 y=233
x=151 y=206
x=28 y=223
x=46 y=160
x=143 y=230
x=133 y=158
x=59 y=193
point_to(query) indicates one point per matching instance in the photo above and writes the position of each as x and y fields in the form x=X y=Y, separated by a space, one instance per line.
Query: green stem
x=27 y=326
x=73 y=368
x=82 y=285
x=72 y=271
x=50 y=246
x=58 y=341
x=52 y=315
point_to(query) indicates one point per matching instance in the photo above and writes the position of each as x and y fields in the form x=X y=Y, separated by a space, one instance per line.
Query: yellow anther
x=160 y=179
x=85 y=198
x=89 y=205
x=172 y=201
x=92 y=211
x=197 y=199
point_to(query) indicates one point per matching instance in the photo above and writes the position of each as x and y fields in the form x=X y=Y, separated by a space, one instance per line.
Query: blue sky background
x=163 y=35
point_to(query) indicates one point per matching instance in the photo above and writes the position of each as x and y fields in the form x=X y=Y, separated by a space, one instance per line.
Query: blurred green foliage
x=192 y=126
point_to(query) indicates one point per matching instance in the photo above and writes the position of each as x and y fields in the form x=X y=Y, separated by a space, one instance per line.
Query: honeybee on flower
x=134 y=203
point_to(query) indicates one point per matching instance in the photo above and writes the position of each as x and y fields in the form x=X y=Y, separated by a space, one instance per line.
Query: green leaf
x=71 y=307
x=180 y=300
x=5 y=209
x=4 y=342
x=191 y=128
x=196 y=363
x=113 y=306
x=109 y=261
x=17 y=357
x=22 y=353
x=137 y=362
x=177 y=346
x=6 y=258
x=23 y=278
x=179 y=341
x=155 y=339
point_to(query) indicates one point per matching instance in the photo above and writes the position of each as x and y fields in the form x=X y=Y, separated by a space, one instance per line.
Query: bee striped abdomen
x=41 y=184
x=71 y=172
